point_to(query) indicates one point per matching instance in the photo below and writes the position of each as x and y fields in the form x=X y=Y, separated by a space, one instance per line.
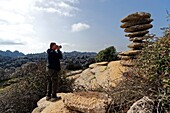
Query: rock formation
x=87 y=102
x=80 y=102
x=136 y=25
x=105 y=74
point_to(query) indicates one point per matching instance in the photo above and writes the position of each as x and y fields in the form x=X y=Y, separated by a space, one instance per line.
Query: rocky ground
x=90 y=98
x=106 y=74
x=86 y=102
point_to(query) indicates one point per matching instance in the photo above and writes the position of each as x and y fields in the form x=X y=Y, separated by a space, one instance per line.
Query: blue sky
x=83 y=25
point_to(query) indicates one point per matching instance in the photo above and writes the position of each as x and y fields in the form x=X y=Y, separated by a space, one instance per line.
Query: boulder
x=138 y=28
x=136 y=16
x=100 y=77
x=144 y=105
x=130 y=53
x=87 y=102
x=136 y=22
x=137 y=34
x=135 y=45
x=127 y=63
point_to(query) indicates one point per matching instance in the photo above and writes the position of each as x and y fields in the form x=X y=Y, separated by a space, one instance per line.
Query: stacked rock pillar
x=136 y=26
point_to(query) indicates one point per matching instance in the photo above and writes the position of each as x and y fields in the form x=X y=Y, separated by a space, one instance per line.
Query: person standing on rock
x=53 y=69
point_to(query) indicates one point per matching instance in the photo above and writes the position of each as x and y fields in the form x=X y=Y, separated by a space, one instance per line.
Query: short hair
x=51 y=44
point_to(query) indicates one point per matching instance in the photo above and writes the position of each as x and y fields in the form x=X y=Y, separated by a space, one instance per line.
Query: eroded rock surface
x=84 y=102
x=99 y=76
x=87 y=102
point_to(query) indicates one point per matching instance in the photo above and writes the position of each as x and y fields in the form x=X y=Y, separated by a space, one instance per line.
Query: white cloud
x=16 y=26
x=79 y=27
x=10 y=42
x=62 y=7
x=17 y=21
x=72 y=1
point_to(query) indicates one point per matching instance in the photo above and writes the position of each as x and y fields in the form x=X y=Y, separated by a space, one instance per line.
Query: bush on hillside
x=154 y=64
x=108 y=54
x=22 y=97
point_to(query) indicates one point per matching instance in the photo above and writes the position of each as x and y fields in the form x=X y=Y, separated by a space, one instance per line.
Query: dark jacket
x=53 y=61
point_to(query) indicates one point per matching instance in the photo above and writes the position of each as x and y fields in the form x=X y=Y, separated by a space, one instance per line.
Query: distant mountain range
x=10 y=61
x=11 y=54
x=16 y=53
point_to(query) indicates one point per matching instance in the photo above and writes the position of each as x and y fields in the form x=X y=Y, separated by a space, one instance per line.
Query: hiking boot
x=55 y=99
x=48 y=98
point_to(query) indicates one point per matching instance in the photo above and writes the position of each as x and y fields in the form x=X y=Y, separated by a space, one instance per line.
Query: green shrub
x=22 y=97
x=109 y=54
x=154 y=64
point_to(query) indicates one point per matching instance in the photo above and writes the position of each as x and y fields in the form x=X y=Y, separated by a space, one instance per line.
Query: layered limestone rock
x=81 y=102
x=100 y=75
x=105 y=74
x=87 y=102
x=137 y=26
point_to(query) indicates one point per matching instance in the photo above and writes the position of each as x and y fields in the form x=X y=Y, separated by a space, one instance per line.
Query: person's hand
x=57 y=47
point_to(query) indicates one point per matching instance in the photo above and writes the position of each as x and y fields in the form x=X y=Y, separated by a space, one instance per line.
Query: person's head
x=53 y=46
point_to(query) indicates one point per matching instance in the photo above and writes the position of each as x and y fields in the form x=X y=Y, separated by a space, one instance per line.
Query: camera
x=60 y=46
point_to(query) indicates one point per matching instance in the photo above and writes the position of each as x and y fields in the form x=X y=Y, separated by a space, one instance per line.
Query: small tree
x=108 y=54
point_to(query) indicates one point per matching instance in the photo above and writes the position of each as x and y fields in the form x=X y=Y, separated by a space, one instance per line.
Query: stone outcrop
x=100 y=75
x=144 y=105
x=105 y=74
x=137 y=26
x=84 y=102
x=87 y=102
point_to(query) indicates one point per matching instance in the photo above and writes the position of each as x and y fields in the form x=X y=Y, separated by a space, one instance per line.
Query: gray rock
x=138 y=28
x=144 y=105
x=136 y=22
x=137 y=34
x=137 y=15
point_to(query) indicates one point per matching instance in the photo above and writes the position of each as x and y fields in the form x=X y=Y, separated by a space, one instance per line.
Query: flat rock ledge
x=84 y=102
